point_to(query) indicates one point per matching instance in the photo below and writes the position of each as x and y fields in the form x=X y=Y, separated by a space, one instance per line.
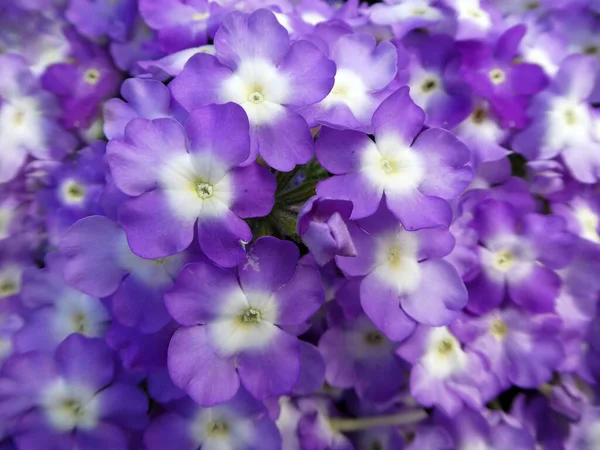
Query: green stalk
x=364 y=423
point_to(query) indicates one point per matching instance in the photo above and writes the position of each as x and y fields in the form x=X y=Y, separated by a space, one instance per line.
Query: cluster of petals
x=299 y=225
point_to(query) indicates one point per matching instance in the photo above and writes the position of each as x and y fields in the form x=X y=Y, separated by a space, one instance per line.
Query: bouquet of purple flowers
x=299 y=225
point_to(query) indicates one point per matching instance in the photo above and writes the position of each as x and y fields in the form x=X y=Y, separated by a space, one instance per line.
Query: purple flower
x=582 y=214
x=518 y=257
x=483 y=135
x=584 y=435
x=443 y=374
x=142 y=45
x=180 y=178
x=142 y=98
x=137 y=285
x=405 y=16
x=232 y=323
x=28 y=119
x=70 y=398
x=240 y=424
x=97 y=18
x=322 y=227
x=471 y=429
x=359 y=356
x=407 y=176
x=522 y=349
x=180 y=24
x=54 y=310
x=434 y=79
x=473 y=20
x=404 y=278
x=256 y=67
x=72 y=190
x=172 y=65
x=562 y=121
x=365 y=70
x=492 y=73
x=81 y=85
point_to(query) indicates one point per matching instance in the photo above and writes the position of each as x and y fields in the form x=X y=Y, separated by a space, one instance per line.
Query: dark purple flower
x=493 y=75
x=82 y=83
x=322 y=227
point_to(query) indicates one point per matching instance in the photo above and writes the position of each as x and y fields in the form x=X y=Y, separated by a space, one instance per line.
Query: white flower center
x=497 y=76
x=256 y=98
x=504 y=259
x=204 y=190
x=428 y=85
x=498 y=328
x=251 y=315
x=72 y=192
x=10 y=281
x=69 y=407
x=444 y=355
x=200 y=16
x=91 y=76
x=589 y=222
x=217 y=428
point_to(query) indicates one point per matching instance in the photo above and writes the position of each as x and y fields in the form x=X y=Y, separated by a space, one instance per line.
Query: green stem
x=364 y=423
x=297 y=195
x=284 y=178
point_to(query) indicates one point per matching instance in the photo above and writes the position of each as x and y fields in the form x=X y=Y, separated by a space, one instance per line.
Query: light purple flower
x=518 y=257
x=256 y=67
x=405 y=16
x=142 y=98
x=53 y=310
x=72 y=190
x=97 y=18
x=232 y=323
x=365 y=69
x=240 y=424
x=137 y=285
x=185 y=178
x=180 y=24
x=70 y=398
x=443 y=373
x=28 y=119
x=359 y=356
x=142 y=45
x=406 y=281
x=172 y=65
x=562 y=121
x=522 y=349
x=435 y=82
x=415 y=179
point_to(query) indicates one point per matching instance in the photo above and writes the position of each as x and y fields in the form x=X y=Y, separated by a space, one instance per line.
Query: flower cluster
x=299 y=225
